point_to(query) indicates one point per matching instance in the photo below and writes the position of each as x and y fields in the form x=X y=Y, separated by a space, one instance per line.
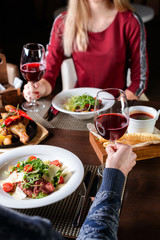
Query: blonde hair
x=75 y=36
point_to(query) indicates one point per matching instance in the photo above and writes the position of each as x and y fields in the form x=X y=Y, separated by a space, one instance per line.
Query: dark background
x=31 y=21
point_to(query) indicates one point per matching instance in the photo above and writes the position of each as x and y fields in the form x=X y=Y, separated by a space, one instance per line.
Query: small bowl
x=61 y=98
x=142 y=125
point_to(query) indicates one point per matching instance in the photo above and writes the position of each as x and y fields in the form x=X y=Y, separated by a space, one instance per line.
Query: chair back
x=68 y=73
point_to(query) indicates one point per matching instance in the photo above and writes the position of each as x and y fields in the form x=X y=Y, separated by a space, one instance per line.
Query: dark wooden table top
x=140 y=213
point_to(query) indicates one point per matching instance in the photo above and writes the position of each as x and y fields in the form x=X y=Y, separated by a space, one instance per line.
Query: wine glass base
x=33 y=107
x=100 y=170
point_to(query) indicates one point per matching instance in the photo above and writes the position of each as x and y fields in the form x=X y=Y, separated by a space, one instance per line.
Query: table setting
x=58 y=127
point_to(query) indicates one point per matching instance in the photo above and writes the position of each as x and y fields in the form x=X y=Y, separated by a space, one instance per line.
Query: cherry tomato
x=7 y=187
x=56 y=163
x=31 y=158
x=87 y=105
x=28 y=168
x=61 y=180
x=18 y=164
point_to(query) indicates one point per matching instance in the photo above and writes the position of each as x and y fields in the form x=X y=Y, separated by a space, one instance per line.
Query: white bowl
x=44 y=152
x=61 y=98
x=142 y=126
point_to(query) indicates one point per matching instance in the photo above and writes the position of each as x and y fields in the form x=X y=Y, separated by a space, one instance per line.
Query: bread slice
x=134 y=138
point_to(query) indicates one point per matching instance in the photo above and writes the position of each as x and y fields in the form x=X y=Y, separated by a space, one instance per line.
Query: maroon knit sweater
x=109 y=54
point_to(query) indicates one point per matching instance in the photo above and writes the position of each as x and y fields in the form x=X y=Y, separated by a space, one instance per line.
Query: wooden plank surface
x=143 y=153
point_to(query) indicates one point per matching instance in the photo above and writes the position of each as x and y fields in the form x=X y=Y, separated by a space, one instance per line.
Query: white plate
x=61 y=98
x=44 y=152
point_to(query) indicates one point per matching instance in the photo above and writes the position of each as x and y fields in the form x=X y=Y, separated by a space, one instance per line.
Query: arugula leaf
x=30 y=179
x=80 y=102
x=56 y=178
x=40 y=195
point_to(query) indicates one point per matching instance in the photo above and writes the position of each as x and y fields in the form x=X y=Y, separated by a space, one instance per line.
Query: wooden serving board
x=143 y=153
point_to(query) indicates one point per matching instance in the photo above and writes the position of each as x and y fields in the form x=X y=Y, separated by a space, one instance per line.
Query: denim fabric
x=103 y=217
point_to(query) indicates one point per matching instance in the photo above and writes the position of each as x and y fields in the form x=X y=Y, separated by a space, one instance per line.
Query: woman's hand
x=130 y=95
x=33 y=91
x=120 y=156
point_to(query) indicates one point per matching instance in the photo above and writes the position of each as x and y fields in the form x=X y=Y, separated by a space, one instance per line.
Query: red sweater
x=108 y=56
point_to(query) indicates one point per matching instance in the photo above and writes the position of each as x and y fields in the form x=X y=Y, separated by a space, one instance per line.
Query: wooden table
x=140 y=213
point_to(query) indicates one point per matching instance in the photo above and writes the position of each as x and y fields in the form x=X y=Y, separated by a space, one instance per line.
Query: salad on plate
x=34 y=178
x=81 y=103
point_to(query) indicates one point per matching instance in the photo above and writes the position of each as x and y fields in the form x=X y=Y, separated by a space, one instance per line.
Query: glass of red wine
x=33 y=66
x=111 y=115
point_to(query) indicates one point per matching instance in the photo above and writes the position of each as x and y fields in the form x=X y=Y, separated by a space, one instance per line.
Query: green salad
x=81 y=103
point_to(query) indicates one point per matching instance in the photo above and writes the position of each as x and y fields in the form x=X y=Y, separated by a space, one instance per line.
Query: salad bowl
x=46 y=153
x=61 y=99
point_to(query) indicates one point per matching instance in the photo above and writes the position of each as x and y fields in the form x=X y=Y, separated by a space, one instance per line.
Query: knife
x=51 y=113
x=94 y=188
x=83 y=194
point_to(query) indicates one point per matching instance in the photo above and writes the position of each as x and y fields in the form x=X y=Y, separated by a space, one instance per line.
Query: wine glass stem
x=33 y=102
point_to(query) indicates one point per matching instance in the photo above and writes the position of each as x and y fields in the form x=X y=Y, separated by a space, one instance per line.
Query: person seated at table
x=103 y=217
x=104 y=39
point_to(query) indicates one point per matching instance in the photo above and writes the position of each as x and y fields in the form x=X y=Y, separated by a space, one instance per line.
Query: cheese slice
x=18 y=194
x=13 y=178
x=52 y=170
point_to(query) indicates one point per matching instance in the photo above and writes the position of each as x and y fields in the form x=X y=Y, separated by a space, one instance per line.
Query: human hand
x=130 y=95
x=120 y=156
x=33 y=91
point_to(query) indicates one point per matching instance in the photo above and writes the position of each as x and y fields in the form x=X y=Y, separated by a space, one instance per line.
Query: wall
x=25 y=21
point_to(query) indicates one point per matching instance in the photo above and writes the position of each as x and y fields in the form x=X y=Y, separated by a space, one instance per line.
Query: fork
x=51 y=113
x=80 y=207
x=83 y=194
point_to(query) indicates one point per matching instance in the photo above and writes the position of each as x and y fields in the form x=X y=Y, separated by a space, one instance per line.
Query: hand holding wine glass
x=33 y=66
x=111 y=117
x=120 y=156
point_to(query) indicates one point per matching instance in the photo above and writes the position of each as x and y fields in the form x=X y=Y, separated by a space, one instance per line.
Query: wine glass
x=111 y=115
x=33 y=66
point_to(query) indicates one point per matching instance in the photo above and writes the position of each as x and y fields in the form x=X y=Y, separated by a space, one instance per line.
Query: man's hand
x=120 y=156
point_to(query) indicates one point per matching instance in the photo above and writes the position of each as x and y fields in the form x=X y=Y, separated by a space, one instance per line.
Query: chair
x=145 y=12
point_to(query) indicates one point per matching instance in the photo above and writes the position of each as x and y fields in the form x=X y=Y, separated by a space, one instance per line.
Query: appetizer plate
x=44 y=152
x=61 y=98
x=31 y=130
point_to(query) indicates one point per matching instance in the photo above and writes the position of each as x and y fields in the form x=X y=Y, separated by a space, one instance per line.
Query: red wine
x=111 y=126
x=33 y=72
x=140 y=115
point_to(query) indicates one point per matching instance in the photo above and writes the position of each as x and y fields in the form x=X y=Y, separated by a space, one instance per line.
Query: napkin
x=17 y=83
x=2 y=88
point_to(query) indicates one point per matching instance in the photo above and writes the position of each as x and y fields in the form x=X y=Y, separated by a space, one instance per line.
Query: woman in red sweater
x=104 y=39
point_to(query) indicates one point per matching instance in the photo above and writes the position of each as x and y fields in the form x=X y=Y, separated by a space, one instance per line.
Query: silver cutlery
x=81 y=204
x=94 y=188
x=51 y=113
